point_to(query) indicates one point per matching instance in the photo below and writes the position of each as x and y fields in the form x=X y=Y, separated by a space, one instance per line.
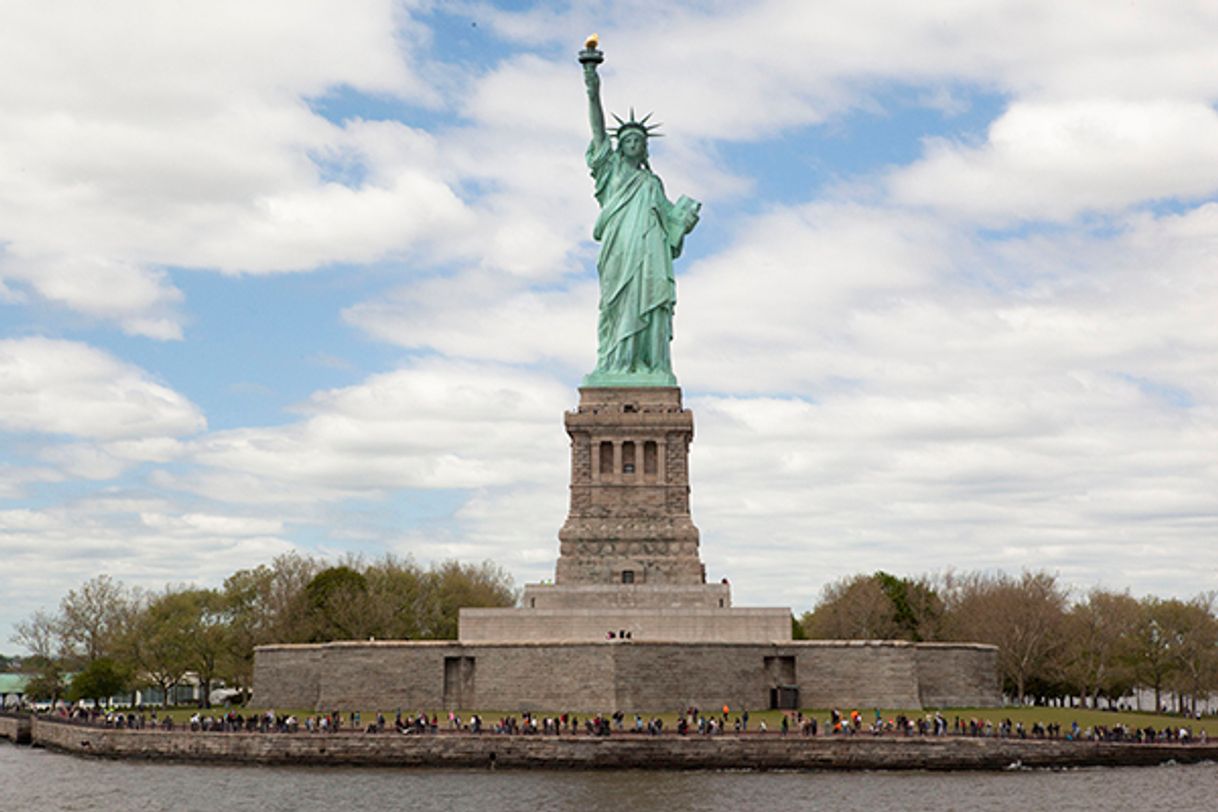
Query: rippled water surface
x=33 y=779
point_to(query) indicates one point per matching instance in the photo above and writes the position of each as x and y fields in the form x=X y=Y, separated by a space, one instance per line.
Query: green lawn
x=1028 y=715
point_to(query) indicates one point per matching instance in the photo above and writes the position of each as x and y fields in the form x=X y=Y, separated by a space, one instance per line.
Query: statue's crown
x=623 y=127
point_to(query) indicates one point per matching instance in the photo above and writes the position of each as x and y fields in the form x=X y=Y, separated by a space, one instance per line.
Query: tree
x=876 y=607
x=1193 y=645
x=1022 y=616
x=453 y=585
x=39 y=634
x=208 y=633
x=397 y=591
x=100 y=679
x=158 y=644
x=917 y=608
x=47 y=683
x=337 y=604
x=265 y=605
x=853 y=608
x=93 y=617
x=1153 y=660
x=1099 y=649
x=797 y=629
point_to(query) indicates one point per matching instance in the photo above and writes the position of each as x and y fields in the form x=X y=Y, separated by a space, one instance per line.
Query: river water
x=35 y=779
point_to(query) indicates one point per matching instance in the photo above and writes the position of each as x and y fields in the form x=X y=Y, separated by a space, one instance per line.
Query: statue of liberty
x=640 y=233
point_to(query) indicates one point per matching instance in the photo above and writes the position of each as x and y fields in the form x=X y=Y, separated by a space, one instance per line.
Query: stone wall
x=627 y=596
x=614 y=753
x=958 y=675
x=660 y=678
x=288 y=676
x=644 y=625
x=629 y=676
x=382 y=675
x=859 y=673
x=15 y=728
x=545 y=677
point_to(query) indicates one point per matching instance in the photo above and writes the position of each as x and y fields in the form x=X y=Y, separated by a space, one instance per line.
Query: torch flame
x=592 y=41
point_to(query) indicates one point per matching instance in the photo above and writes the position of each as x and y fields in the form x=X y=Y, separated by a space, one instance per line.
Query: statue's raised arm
x=641 y=232
x=590 y=57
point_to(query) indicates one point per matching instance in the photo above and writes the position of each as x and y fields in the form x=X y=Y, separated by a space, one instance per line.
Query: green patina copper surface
x=641 y=232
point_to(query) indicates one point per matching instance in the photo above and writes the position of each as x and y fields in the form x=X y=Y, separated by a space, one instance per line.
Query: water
x=32 y=779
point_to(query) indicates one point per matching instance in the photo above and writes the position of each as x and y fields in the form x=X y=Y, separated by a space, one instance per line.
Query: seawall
x=668 y=752
x=15 y=728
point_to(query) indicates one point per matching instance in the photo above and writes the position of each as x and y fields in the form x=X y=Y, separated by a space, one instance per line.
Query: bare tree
x=39 y=634
x=93 y=617
x=1022 y=616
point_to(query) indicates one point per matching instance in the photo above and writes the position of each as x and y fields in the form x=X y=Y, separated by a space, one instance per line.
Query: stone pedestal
x=628 y=564
x=629 y=519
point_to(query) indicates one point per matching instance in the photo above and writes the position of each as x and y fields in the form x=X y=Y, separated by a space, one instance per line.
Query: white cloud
x=15 y=479
x=434 y=425
x=747 y=70
x=878 y=382
x=144 y=543
x=65 y=387
x=1055 y=160
x=484 y=316
x=149 y=135
x=155 y=136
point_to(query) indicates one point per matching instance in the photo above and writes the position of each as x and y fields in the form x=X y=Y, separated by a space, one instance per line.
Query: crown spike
x=644 y=126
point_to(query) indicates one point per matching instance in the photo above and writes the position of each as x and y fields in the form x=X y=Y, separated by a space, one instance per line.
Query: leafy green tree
x=337 y=605
x=854 y=608
x=1154 y=662
x=47 y=683
x=100 y=679
x=397 y=590
x=265 y=605
x=1193 y=645
x=158 y=643
x=1099 y=652
x=453 y=585
x=916 y=608
x=208 y=637
x=879 y=606
x=797 y=629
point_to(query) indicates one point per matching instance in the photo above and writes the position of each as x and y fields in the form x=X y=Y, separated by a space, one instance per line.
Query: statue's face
x=633 y=145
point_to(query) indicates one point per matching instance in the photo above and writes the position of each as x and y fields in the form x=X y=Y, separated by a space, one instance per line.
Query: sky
x=318 y=276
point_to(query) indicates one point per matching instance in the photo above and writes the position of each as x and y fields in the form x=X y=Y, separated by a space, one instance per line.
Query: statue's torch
x=590 y=55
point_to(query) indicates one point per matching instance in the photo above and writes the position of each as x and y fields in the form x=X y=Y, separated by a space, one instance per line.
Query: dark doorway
x=784 y=697
x=780 y=678
x=458 y=683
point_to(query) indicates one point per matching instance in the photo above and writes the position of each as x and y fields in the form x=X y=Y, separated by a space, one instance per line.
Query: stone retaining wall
x=630 y=676
x=616 y=752
x=15 y=728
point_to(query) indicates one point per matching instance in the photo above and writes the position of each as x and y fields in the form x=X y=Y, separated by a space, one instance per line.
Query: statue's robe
x=640 y=233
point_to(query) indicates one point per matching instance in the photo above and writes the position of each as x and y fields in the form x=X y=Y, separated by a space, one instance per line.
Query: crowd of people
x=691 y=721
